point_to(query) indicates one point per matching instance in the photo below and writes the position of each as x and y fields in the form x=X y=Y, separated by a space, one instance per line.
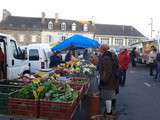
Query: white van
x=15 y=61
x=38 y=56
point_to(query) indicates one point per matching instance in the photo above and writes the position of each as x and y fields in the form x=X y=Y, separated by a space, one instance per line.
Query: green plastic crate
x=5 y=91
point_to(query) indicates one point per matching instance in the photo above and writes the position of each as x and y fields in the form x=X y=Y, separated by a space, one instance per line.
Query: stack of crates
x=5 y=91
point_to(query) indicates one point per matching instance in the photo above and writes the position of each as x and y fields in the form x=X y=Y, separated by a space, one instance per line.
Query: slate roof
x=32 y=23
x=118 y=30
x=21 y=23
x=35 y=24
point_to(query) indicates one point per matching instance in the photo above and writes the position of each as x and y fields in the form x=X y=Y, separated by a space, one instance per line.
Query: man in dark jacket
x=55 y=60
x=108 y=80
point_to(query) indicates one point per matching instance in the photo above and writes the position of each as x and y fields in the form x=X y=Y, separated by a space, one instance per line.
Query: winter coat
x=54 y=61
x=105 y=67
x=123 y=60
x=158 y=57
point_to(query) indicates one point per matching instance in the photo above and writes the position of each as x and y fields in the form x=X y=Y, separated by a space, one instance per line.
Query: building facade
x=29 y=30
x=117 y=36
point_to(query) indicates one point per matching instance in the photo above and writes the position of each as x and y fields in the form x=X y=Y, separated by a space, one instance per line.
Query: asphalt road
x=140 y=98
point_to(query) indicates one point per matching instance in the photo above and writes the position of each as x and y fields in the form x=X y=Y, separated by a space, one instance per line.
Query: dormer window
x=74 y=27
x=63 y=26
x=85 y=27
x=50 y=25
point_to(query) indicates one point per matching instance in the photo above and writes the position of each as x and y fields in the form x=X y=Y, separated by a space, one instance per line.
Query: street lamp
x=151 y=24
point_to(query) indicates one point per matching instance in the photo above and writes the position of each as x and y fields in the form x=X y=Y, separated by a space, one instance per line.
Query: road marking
x=147 y=84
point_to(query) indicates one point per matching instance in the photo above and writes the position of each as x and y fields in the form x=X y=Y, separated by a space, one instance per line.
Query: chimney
x=43 y=17
x=6 y=13
x=56 y=17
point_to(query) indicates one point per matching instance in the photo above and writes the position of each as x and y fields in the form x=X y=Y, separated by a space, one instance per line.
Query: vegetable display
x=47 y=91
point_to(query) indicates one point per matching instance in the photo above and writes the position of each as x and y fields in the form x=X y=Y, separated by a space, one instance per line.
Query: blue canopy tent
x=77 y=41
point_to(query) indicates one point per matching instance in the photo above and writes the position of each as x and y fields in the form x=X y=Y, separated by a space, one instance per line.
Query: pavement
x=140 y=98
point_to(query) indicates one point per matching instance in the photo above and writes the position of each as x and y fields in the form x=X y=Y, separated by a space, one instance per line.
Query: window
x=50 y=25
x=119 y=42
x=63 y=26
x=126 y=42
x=14 y=49
x=10 y=25
x=49 y=39
x=34 y=38
x=21 y=38
x=33 y=54
x=23 y=25
x=132 y=41
x=74 y=27
x=105 y=40
x=85 y=27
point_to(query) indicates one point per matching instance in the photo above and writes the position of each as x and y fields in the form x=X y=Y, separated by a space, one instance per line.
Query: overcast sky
x=125 y=12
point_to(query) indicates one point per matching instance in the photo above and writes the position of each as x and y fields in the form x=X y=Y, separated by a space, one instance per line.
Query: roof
x=33 y=23
x=119 y=30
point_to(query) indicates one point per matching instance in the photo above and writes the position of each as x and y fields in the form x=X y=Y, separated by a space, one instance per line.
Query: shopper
x=133 y=56
x=157 y=76
x=86 y=54
x=108 y=80
x=68 y=56
x=152 y=57
x=123 y=60
x=55 y=59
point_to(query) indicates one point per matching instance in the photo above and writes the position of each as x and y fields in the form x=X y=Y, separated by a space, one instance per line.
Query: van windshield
x=33 y=54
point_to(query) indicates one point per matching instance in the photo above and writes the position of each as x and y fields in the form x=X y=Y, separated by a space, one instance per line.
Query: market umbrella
x=77 y=41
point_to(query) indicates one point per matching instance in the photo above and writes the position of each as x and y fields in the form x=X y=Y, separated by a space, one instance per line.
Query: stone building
x=51 y=30
x=43 y=30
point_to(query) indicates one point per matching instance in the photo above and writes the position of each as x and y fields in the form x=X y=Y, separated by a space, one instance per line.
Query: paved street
x=140 y=98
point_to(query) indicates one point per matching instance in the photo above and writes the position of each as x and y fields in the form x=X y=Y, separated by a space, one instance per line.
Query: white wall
x=57 y=36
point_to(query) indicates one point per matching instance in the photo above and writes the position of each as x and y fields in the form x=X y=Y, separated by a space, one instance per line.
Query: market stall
x=77 y=41
x=54 y=93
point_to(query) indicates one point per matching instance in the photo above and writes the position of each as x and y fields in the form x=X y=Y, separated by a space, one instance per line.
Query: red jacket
x=123 y=60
